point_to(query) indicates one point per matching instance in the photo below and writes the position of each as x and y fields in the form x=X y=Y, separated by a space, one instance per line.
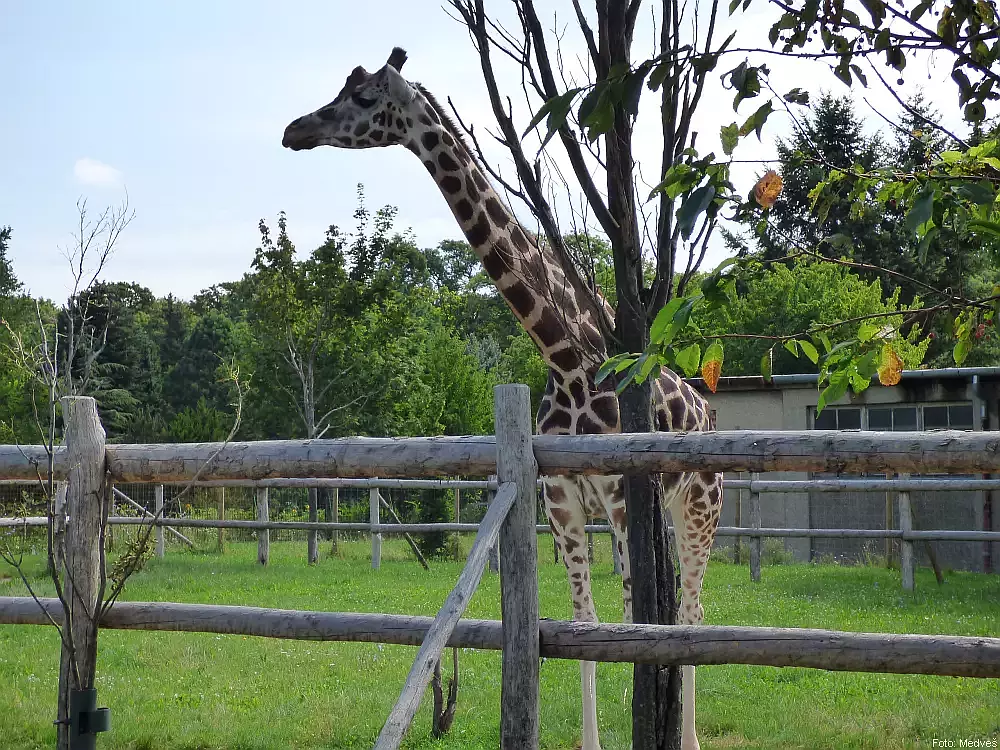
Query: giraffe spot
x=344 y=140
x=451 y=184
x=562 y=398
x=556 y=376
x=393 y=138
x=425 y=120
x=481 y=182
x=697 y=491
x=432 y=114
x=543 y=409
x=677 y=410
x=470 y=188
x=579 y=396
x=560 y=516
x=409 y=122
x=571 y=544
x=377 y=135
x=593 y=336
x=520 y=298
x=479 y=232
x=399 y=124
x=379 y=118
x=497 y=212
x=587 y=426
x=556 y=494
x=576 y=559
x=549 y=328
x=447 y=163
x=361 y=128
x=447 y=139
x=566 y=360
x=431 y=167
x=430 y=140
x=498 y=260
x=557 y=420
x=698 y=506
x=618 y=518
x=605 y=409
x=519 y=239
x=413 y=148
x=464 y=210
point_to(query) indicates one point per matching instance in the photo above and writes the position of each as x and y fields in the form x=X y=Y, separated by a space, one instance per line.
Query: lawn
x=204 y=691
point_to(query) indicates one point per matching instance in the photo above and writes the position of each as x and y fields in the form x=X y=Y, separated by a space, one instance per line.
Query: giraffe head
x=373 y=109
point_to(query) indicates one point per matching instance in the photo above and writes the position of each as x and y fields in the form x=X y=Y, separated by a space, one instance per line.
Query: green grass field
x=203 y=691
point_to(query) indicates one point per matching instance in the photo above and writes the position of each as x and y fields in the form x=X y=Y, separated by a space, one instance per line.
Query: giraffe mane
x=446 y=120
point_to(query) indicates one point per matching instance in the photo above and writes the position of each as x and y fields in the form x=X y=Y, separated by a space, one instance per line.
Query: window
x=951 y=417
x=892 y=418
x=834 y=418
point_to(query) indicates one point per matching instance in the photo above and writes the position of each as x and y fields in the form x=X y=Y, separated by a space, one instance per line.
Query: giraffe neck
x=527 y=275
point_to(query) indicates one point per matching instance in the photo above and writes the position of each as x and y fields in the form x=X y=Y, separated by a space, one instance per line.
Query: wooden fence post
x=158 y=511
x=906 y=561
x=373 y=514
x=312 y=536
x=335 y=513
x=222 y=517
x=263 y=535
x=518 y=571
x=495 y=549
x=755 y=542
x=85 y=499
x=738 y=521
x=59 y=528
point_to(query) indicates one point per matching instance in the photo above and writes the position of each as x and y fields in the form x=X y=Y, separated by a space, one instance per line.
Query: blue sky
x=183 y=104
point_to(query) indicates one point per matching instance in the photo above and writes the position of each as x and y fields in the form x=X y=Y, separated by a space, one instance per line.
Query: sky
x=183 y=105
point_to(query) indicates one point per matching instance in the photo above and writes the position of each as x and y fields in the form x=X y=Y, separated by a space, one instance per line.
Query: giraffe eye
x=361 y=101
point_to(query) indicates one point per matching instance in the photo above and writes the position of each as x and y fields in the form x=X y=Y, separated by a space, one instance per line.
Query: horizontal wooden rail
x=812 y=450
x=940 y=535
x=959 y=656
x=957 y=484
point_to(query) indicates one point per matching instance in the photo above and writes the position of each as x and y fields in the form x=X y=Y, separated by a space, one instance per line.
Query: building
x=953 y=398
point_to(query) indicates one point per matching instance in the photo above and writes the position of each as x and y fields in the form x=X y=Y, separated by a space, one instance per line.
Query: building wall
x=756 y=406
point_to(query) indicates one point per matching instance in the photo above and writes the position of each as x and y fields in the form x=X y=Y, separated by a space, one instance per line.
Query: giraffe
x=383 y=109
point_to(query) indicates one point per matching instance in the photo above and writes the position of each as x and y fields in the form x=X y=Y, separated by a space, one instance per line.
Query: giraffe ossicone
x=384 y=109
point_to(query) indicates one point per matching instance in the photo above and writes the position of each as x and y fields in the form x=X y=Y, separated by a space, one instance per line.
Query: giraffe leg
x=567 y=517
x=695 y=516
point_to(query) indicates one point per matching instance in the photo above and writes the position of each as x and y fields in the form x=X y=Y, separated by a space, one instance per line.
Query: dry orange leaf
x=890 y=371
x=710 y=371
x=768 y=188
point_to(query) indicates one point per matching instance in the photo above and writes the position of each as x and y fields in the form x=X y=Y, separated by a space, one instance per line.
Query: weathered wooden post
x=222 y=517
x=263 y=535
x=518 y=571
x=373 y=514
x=79 y=719
x=335 y=518
x=755 y=542
x=907 y=564
x=158 y=510
x=312 y=536
x=59 y=528
x=495 y=549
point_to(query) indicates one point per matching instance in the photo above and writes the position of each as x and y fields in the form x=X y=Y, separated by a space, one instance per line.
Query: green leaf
x=792 y=347
x=765 y=365
x=921 y=211
x=961 y=351
x=633 y=90
x=797 y=96
x=925 y=243
x=610 y=366
x=663 y=318
x=756 y=121
x=987 y=227
x=647 y=367
x=809 y=350
x=688 y=359
x=839 y=381
x=980 y=193
x=557 y=108
x=692 y=208
x=730 y=137
x=714 y=353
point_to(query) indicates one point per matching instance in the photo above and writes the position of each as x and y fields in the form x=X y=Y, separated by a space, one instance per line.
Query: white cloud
x=96 y=173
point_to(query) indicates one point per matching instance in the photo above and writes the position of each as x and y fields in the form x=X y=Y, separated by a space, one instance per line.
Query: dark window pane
x=935 y=417
x=849 y=419
x=960 y=417
x=880 y=419
x=826 y=421
x=904 y=418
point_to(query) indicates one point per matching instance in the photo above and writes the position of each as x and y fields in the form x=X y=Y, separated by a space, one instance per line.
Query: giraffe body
x=383 y=109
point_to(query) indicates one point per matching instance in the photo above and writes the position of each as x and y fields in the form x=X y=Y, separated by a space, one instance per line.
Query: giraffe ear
x=400 y=90
x=397 y=58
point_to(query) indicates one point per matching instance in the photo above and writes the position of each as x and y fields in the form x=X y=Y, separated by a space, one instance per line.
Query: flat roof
x=757 y=383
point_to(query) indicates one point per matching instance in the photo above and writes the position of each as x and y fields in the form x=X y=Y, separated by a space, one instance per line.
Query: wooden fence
x=516 y=456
